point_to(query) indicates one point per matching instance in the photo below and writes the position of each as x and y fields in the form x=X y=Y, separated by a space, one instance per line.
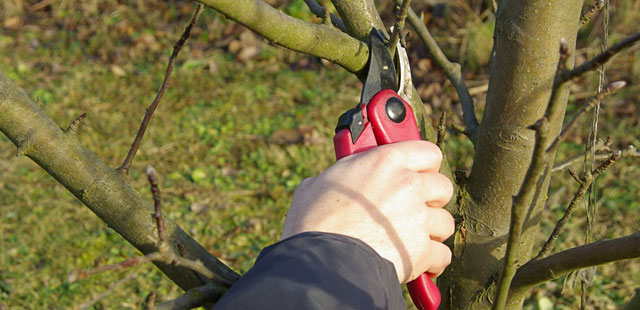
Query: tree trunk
x=523 y=67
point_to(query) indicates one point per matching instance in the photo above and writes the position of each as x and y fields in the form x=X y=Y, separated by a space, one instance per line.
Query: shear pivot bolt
x=395 y=110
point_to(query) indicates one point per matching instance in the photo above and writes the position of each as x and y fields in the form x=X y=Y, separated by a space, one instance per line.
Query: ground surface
x=241 y=125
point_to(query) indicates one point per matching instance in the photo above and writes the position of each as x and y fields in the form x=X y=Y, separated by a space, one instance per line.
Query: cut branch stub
x=73 y=127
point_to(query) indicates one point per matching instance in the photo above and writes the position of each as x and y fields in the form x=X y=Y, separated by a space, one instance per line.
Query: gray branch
x=101 y=188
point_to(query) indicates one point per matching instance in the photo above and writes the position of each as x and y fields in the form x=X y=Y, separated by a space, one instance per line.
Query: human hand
x=389 y=197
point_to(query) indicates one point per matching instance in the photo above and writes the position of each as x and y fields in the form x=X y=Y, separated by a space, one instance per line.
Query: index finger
x=416 y=155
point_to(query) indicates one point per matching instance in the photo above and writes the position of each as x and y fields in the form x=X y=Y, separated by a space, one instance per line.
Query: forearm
x=317 y=271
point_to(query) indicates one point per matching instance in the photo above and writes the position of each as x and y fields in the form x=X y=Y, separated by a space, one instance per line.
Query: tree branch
x=319 y=11
x=194 y=298
x=628 y=152
x=518 y=212
x=165 y=83
x=536 y=170
x=157 y=210
x=588 y=106
x=595 y=62
x=113 y=286
x=359 y=16
x=451 y=70
x=585 y=182
x=103 y=189
x=442 y=127
x=398 y=27
x=73 y=127
x=592 y=254
x=586 y=17
x=284 y=30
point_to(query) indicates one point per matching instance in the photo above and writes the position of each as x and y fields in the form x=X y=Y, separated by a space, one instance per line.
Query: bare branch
x=165 y=83
x=442 y=127
x=584 y=182
x=279 y=28
x=194 y=298
x=110 y=289
x=165 y=254
x=536 y=170
x=518 y=212
x=319 y=11
x=359 y=16
x=81 y=274
x=101 y=188
x=586 y=16
x=450 y=69
x=595 y=62
x=150 y=301
x=628 y=152
x=575 y=176
x=155 y=191
x=588 y=106
x=398 y=27
x=559 y=264
x=73 y=127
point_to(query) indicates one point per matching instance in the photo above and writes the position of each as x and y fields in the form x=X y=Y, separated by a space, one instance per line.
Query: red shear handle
x=424 y=293
x=389 y=119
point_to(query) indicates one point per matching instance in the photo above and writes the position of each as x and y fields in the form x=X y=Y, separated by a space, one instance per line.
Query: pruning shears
x=383 y=116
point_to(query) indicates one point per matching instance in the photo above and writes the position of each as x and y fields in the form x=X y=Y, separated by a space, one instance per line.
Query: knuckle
x=446 y=187
x=435 y=151
x=446 y=257
x=387 y=155
x=411 y=180
x=451 y=224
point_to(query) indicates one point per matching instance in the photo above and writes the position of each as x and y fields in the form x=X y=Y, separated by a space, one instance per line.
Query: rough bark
x=523 y=67
x=101 y=188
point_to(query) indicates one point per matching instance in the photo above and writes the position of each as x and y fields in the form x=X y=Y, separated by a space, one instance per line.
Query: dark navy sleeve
x=317 y=271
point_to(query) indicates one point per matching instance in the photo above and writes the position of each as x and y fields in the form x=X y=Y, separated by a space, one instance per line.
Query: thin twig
x=194 y=298
x=41 y=5
x=494 y=6
x=165 y=83
x=319 y=11
x=585 y=182
x=152 y=176
x=603 y=57
x=111 y=288
x=629 y=152
x=556 y=100
x=451 y=70
x=398 y=27
x=442 y=127
x=73 y=127
x=81 y=274
x=562 y=263
x=586 y=16
x=150 y=301
x=588 y=106
x=575 y=176
x=165 y=254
